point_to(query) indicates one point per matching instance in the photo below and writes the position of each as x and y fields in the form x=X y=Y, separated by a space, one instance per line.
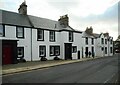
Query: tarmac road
x=103 y=70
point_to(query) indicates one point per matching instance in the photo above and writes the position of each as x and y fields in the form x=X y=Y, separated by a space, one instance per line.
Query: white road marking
x=109 y=78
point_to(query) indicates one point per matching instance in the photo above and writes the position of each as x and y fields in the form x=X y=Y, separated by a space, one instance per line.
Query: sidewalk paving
x=33 y=65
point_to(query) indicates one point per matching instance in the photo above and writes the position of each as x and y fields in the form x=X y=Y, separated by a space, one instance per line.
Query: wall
x=10 y=32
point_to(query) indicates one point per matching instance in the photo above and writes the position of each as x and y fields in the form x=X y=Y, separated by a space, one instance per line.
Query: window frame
x=23 y=52
x=38 y=39
x=92 y=41
x=86 y=40
x=102 y=41
x=106 y=50
x=111 y=41
x=71 y=36
x=73 y=50
x=111 y=49
x=3 y=29
x=17 y=32
x=54 y=51
x=52 y=39
x=43 y=46
x=105 y=41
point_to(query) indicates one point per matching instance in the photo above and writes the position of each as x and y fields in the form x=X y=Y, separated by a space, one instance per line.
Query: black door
x=68 y=51
x=78 y=54
x=86 y=52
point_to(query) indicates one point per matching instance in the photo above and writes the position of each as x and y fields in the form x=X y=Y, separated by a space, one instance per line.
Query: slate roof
x=12 y=18
x=96 y=35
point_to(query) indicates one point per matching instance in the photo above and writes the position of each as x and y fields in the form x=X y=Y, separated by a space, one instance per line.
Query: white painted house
x=98 y=44
x=32 y=38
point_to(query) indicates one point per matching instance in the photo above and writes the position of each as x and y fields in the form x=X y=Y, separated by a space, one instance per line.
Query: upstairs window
x=52 y=36
x=20 y=32
x=70 y=36
x=86 y=40
x=105 y=41
x=92 y=41
x=2 y=30
x=102 y=40
x=42 y=51
x=40 y=35
x=111 y=41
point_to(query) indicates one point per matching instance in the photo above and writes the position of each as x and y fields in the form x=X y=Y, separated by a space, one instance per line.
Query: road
x=103 y=70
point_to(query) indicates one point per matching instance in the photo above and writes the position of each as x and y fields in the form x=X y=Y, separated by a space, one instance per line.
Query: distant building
x=33 y=38
x=117 y=45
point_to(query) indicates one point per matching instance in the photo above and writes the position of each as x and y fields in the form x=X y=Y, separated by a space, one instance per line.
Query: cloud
x=101 y=14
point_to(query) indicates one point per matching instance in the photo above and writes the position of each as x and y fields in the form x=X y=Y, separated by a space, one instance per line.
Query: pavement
x=34 y=65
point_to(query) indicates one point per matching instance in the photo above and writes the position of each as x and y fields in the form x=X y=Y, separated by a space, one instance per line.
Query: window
x=52 y=36
x=74 y=49
x=42 y=51
x=40 y=35
x=70 y=36
x=102 y=48
x=102 y=40
x=54 y=50
x=20 y=32
x=111 y=50
x=105 y=41
x=20 y=52
x=86 y=40
x=111 y=42
x=105 y=50
x=2 y=30
x=92 y=41
x=92 y=49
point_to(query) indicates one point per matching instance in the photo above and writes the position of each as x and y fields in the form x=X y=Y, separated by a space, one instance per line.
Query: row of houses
x=32 y=38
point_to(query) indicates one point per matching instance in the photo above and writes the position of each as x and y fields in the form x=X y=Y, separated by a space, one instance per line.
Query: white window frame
x=42 y=51
x=20 y=32
x=20 y=52
x=2 y=30
x=41 y=34
x=52 y=35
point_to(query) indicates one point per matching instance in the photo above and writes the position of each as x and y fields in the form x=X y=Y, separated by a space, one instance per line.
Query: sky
x=102 y=15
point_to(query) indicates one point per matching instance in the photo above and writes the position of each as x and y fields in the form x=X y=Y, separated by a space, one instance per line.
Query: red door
x=7 y=54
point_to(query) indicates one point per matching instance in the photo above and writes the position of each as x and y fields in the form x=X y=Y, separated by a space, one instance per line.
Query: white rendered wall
x=10 y=32
x=46 y=42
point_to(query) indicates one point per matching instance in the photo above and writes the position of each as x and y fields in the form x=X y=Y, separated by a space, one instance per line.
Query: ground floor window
x=74 y=49
x=105 y=50
x=111 y=50
x=102 y=48
x=42 y=51
x=20 y=52
x=54 y=50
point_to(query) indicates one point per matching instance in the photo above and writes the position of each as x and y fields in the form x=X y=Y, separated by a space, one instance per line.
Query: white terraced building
x=32 y=38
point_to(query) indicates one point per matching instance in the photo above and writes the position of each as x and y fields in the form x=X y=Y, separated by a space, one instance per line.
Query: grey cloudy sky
x=102 y=15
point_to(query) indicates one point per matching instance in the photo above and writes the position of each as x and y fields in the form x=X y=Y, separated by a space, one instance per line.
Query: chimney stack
x=23 y=8
x=89 y=30
x=64 y=21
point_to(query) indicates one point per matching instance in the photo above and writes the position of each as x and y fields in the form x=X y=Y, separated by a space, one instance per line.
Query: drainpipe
x=31 y=35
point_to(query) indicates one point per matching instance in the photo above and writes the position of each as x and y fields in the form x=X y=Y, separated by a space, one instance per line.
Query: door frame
x=13 y=44
x=66 y=51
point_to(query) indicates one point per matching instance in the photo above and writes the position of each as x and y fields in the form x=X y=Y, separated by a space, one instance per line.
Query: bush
x=21 y=60
x=43 y=59
x=56 y=58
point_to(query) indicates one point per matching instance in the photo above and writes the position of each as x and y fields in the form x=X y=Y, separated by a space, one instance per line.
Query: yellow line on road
x=25 y=71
